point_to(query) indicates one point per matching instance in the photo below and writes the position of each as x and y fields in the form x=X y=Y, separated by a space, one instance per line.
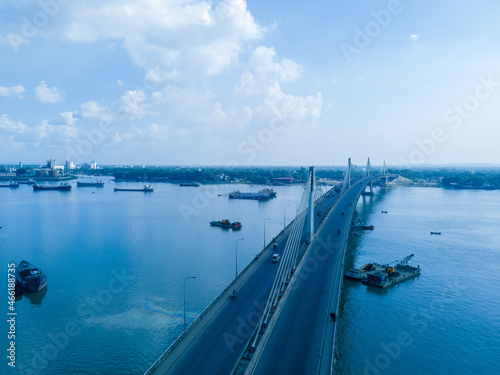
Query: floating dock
x=383 y=275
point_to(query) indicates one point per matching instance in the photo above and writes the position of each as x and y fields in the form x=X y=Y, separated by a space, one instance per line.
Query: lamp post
x=189 y=277
x=266 y=219
x=284 y=211
x=236 y=254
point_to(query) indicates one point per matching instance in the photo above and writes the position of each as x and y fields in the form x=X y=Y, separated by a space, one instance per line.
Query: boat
x=30 y=277
x=255 y=196
x=367 y=227
x=28 y=182
x=11 y=184
x=62 y=187
x=384 y=212
x=435 y=232
x=353 y=273
x=97 y=183
x=146 y=188
x=270 y=192
x=193 y=184
x=226 y=224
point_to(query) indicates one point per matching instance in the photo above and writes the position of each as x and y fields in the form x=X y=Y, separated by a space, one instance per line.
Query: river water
x=117 y=264
x=445 y=321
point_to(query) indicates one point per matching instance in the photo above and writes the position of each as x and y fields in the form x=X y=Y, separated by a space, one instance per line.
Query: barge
x=262 y=195
x=63 y=187
x=97 y=183
x=383 y=275
x=11 y=184
x=146 y=188
x=226 y=224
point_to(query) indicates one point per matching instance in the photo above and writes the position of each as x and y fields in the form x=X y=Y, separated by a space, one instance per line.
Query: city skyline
x=249 y=83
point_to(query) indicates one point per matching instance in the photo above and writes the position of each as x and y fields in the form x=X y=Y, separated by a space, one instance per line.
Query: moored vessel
x=62 y=187
x=146 y=188
x=30 y=277
x=11 y=184
x=226 y=224
x=193 y=184
x=97 y=183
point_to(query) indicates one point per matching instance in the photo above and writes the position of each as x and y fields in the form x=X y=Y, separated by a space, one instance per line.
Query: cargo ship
x=262 y=195
x=30 y=277
x=193 y=184
x=11 y=184
x=146 y=188
x=97 y=183
x=63 y=187
x=226 y=224
x=28 y=182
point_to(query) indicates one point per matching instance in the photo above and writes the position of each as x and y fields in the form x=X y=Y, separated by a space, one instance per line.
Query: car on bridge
x=276 y=258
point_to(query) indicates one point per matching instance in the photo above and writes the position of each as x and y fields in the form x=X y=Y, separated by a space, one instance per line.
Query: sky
x=188 y=82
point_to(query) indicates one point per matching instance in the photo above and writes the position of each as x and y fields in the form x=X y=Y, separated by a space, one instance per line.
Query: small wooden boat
x=435 y=232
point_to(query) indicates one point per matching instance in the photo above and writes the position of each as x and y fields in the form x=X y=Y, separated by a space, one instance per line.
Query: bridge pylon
x=347 y=177
x=367 y=174
x=383 y=172
x=311 y=205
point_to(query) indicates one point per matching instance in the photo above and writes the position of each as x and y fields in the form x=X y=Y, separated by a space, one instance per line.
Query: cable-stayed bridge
x=275 y=318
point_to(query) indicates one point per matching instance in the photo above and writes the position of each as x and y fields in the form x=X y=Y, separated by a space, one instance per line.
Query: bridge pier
x=370 y=192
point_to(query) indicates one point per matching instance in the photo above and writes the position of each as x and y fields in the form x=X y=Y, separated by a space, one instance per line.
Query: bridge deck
x=215 y=345
x=302 y=338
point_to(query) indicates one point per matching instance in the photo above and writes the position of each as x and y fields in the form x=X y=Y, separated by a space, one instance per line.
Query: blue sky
x=249 y=83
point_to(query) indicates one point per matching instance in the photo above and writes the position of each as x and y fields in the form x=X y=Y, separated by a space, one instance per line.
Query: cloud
x=68 y=118
x=263 y=71
x=46 y=94
x=17 y=136
x=187 y=39
x=12 y=91
x=92 y=109
x=413 y=38
x=293 y=109
x=132 y=103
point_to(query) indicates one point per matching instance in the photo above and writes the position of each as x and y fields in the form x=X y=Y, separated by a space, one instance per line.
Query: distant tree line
x=450 y=177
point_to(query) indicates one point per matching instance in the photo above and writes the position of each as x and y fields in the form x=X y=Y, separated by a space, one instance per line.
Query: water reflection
x=36 y=298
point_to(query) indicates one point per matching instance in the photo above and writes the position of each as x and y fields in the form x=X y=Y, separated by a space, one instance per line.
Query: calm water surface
x=447 y=319
x=116 y=263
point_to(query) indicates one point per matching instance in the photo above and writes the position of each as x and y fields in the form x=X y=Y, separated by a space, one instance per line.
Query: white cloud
x=263 y=71
x=132 y=103
x=69 y=118
x=185 y=38
x=413 y=38
x=16 y=136
x=47 y=94
x=92 y=109
x=293 y=109
x=120 y=82
x=12 y=91
x=9 y=126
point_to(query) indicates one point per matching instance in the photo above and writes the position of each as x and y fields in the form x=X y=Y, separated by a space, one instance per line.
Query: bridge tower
x=347 y=178
x=368 y=167
x=312 y=177
x=383 y=172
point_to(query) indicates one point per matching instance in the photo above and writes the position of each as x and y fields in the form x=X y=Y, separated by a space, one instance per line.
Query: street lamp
x=266 y=219
x=284 y=210
x=189 y=277
x=236 y=254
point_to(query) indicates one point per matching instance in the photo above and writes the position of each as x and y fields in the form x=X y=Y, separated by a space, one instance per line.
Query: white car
x=276 y=258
